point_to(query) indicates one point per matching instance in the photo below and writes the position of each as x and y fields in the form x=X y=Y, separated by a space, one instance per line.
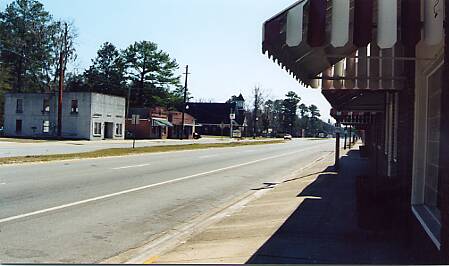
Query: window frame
x=94 y=132
x=46 y=126
x=19 y=110
x=46 y=106
x=117 y=131
x=428 y=220
x=74 y=108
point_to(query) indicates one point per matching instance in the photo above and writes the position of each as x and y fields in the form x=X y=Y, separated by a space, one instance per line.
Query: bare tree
x=258 y=100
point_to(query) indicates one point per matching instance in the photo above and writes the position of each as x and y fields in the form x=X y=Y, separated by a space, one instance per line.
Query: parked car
x=287 y=137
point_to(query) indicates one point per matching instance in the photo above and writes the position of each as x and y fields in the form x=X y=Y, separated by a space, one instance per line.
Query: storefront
x=381 y=66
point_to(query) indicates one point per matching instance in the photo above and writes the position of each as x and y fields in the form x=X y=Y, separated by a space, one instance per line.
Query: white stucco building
x=85 y=115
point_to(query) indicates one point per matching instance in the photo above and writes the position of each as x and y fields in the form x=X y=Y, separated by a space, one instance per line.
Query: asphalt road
x=11 y=149
x=85 y=211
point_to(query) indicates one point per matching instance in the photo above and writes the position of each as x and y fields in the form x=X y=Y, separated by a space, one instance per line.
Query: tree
x=107 y=74
x=257 y=102
x=25 y=43
x=32 y=43
x=314 y=114
x=62 y=37
x=290 y=106
x=152 y=73
x=303 y=110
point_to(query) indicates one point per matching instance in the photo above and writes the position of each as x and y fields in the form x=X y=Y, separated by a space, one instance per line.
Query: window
x=426 y=195
x=118 y=129
x=18 y=126
x=431 y=189
x=19 y=106
x=46 y=106
x=97 y=128
x=45 y=126
x=74 y=109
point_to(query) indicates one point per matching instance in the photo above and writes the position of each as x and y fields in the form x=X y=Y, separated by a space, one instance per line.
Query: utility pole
x=184 y=102
x=61 y=79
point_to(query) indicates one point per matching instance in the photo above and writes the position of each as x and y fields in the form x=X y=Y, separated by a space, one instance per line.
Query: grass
x=126 y=151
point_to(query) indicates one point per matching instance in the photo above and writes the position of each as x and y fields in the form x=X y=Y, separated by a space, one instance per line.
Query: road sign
x=136 y=119
x=232 y=116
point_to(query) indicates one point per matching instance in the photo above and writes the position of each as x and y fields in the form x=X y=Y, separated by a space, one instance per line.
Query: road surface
x=11 y=149
x=85 y=211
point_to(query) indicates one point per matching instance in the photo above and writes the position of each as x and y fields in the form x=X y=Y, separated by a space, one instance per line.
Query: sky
x=220 y=40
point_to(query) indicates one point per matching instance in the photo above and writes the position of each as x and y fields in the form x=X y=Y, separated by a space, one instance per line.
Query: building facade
x=215 y=118
x=175 y=132
x=153 y=123
x=85 y=115
x=390 y=83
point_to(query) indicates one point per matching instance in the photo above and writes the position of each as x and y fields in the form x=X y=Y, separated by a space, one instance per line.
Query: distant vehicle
x=196 y=136
x=2 y=131
x=287 y=137
x=321 y=135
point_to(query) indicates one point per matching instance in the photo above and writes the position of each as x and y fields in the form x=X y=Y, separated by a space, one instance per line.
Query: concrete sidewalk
x=308 y=219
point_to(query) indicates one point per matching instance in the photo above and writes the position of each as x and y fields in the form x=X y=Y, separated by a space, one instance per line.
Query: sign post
x=135 y=122
x=231 y=118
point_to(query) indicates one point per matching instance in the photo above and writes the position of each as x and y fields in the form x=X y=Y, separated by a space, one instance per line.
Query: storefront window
x=431 y=189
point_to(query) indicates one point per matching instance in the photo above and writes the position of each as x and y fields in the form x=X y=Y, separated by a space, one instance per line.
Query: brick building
x=153 y=123
x=175 y=118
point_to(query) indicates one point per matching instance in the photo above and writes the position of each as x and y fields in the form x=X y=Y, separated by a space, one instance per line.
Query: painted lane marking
x=131 y=166
x=64 y=206
x=208 y=156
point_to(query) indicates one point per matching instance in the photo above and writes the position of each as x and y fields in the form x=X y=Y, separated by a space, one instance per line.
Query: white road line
x=207 y=156
x=64 y=206
x=131 y=166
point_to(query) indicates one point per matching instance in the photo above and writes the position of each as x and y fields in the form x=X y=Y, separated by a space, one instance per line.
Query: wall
x=92 y=107
x=32 y=116
x=107 y=108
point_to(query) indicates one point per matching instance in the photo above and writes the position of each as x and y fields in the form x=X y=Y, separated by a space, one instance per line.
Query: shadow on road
x=324 y=228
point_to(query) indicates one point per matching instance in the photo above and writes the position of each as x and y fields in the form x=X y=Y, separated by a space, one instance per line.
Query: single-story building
x=85 y=115
x=153 y=123
x=214 y=118
x=175 y=118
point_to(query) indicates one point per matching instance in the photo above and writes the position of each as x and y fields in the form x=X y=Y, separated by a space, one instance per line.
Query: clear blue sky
x=220 y=40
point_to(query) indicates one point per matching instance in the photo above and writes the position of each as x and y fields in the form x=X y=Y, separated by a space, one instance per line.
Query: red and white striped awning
x=311 y=36
x=353 y=118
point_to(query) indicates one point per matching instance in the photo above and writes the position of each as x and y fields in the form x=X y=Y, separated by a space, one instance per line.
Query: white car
x=287 y=136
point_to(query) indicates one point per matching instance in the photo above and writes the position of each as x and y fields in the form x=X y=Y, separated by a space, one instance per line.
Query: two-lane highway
x=89 y=210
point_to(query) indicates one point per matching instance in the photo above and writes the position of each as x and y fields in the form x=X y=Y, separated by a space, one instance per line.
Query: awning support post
x=350 y=137
x=346 y=129
x=337 y=150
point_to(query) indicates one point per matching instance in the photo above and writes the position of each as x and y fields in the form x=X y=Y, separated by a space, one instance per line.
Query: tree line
x=275 y=117
x=35 y=48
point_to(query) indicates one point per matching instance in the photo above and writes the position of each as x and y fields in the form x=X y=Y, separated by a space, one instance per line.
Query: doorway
x=108 y=130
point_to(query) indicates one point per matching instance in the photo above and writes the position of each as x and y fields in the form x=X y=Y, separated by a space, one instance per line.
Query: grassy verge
x=126 y=151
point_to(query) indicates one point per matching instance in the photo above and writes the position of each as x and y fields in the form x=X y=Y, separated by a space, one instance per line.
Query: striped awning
x=349 y=43
x=353 y=118
x=159 y=122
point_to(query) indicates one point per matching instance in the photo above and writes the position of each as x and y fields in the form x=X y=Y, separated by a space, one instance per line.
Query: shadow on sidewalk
x=324 y=228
